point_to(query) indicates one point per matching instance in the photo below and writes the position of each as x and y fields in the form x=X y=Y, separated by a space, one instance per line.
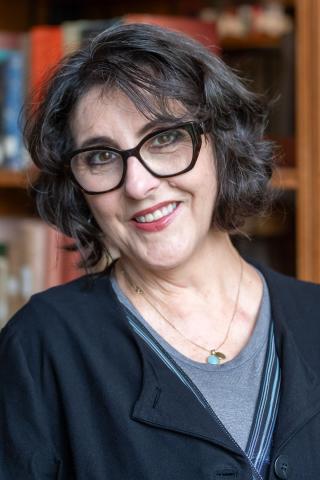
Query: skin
x=189 y=270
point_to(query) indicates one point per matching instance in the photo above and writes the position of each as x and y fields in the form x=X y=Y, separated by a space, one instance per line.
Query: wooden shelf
x=251 y=41
x=15 y=179
x=12 y=179
x=285 y=178
x=14 y=199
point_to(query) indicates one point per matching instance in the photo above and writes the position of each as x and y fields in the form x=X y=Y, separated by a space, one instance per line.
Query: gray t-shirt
x=231 y=388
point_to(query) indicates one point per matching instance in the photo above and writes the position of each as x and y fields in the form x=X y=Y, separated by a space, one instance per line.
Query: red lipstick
x=151 y=209
x=155 y=225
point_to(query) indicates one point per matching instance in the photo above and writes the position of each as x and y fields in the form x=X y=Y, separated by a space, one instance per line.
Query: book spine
x=14 y=158
x=202 y=31
x=32 y=259
x=46 y=49
x=22 y=268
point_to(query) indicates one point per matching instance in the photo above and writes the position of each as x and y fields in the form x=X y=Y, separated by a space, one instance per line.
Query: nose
x=139 y=182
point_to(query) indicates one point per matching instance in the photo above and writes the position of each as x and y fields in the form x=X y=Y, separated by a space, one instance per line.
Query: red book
x=203 y=32
x=46 y=49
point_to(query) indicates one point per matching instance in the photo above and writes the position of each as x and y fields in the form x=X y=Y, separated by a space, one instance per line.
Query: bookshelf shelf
x=297 y=173
x=14 y=199
x=15 y=202
x=285 y=178
x=13 y=179
x=251 y=41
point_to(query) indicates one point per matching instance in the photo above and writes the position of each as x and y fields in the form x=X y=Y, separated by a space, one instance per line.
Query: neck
x=208 y=303
x=209 y=271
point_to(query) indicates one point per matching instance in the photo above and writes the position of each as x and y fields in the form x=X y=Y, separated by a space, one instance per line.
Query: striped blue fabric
x=259 y=442
x=260 y=438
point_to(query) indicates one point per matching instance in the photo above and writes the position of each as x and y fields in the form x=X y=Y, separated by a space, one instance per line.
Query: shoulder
x=81 y=304
x=285 y=287
x=294 y=302
x=77 y=326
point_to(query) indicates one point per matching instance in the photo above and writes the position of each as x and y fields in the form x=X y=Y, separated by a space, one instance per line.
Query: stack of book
x=32 y=259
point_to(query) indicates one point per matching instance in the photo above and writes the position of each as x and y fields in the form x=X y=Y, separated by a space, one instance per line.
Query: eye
x=165 y=139
x=100 y=157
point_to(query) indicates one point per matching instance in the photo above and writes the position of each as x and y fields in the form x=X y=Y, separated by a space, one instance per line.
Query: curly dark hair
x=152 y=66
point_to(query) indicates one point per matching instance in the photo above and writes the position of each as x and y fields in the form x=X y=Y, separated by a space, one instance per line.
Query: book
x=32 y=259
x=11 y=40
x=25 y=244
x=46 y=49
x=76 y=33
x=13 y=79
x=13 y=82
x=94 y=27
x=270 y=72
x=202 y=31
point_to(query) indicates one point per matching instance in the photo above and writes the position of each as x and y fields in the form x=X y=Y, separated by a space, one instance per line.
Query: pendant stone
x=213 y=360
x=215 y=357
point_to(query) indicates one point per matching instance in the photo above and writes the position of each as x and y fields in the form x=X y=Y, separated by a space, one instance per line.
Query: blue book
x=13 y=97
x=3 y=58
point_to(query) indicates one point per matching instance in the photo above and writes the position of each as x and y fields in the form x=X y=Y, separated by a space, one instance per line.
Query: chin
x=166 y=258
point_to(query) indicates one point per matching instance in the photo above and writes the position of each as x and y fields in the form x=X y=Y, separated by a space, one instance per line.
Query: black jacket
x=83 y=397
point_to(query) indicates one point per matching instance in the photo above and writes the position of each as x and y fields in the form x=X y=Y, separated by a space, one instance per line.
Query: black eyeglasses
x=164 y=153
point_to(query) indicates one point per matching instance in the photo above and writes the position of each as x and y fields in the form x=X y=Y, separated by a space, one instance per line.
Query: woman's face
x=155 y=244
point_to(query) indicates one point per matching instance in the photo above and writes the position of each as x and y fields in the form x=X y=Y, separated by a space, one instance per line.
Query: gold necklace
x=216 y=356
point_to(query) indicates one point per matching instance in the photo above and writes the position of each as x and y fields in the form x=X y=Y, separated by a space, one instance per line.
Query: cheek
x=107 y=219
x=206 y=180
x=105 y=210
x=207 y=189
x=209 y=174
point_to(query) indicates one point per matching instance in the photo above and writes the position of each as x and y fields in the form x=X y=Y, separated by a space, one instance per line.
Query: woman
x=181 y=360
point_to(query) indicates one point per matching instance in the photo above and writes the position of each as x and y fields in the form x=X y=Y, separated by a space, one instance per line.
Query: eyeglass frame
x=195 y=129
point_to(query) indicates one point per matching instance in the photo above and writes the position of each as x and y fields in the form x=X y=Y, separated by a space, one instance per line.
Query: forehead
x=99 y=112
x=98 y=107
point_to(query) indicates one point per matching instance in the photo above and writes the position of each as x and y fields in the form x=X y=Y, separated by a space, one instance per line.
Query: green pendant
x=215 y=357
x=213 y=360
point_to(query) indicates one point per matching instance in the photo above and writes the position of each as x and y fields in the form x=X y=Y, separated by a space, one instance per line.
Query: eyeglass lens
x=166 y=153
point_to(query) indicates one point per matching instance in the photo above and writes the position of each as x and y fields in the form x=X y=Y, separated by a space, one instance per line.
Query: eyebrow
x=106 y=140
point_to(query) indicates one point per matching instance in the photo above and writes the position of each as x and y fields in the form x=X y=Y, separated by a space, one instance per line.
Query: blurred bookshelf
x=289 y=240
x=255 y=41
x=12 y=179
x=285 y=178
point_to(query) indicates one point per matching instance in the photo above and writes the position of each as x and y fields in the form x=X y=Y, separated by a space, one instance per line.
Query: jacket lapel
x=300 y=392
x=300 y=385
x=168 y=403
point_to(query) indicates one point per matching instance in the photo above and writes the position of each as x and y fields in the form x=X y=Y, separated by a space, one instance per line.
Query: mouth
x=157 y=214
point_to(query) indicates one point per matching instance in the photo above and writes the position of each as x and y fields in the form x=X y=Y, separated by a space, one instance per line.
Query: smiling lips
x=155 y=219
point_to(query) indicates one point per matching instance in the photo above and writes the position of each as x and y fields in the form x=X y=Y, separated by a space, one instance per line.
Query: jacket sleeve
x=25 y=450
